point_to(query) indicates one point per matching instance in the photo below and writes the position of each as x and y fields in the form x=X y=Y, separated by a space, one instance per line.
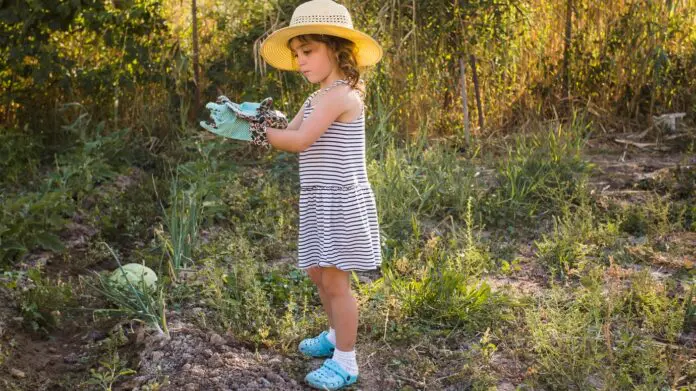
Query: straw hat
x=318 y=17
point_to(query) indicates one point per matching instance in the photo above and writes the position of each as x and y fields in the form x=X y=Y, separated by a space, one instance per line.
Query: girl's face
x=315 y=60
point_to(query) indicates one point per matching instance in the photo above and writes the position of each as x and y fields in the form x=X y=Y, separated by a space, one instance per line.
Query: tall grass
x=542 y=172
x=428 y=181
x=182 y=220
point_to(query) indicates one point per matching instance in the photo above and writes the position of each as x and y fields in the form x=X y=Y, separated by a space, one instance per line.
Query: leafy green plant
x=659 y=313
x=445 y=291
x=263 y=307
x=690 y=310
x=43 y=300
x=19 y=156
x=562 y=252
x=566 y=342
x=32 y=220
x=112 y=367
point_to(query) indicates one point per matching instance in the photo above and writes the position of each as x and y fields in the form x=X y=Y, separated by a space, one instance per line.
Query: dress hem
x=327 y=264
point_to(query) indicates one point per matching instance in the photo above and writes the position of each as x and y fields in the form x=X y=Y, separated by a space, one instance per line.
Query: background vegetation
x=515 y=251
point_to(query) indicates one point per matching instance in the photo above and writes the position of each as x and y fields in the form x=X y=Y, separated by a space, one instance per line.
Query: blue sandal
x=330 y=376
x=319 y=346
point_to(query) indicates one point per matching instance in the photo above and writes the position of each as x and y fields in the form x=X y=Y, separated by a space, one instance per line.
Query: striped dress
x=338 y=214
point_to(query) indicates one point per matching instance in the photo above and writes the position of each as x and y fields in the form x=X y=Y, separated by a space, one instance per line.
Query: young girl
x=339 y=231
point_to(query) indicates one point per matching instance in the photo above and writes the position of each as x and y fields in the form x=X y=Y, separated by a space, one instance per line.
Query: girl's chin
x=312 y=78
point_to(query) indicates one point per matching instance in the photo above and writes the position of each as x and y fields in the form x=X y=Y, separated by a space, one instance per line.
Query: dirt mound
x=197 y=360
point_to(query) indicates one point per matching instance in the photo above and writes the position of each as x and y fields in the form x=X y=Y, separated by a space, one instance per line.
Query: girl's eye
x=306 y=52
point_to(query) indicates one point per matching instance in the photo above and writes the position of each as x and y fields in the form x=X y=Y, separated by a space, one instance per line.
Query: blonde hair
x=345 y=56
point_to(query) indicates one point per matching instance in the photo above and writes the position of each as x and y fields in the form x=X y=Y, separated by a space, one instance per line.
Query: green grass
x=583 y=310
x=540 y=173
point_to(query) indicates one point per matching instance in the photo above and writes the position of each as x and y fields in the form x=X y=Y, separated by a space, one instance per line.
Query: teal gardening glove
x=247 y=121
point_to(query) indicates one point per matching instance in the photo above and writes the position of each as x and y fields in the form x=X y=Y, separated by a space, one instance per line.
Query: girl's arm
x=295 y=123
x=334 y=103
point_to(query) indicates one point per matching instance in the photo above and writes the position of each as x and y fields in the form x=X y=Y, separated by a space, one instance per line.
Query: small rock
x=208 y=353
x=17 y=373
x=275 y=378
x=52 y=349
x=217 y=340
x=198 y=370
x=264 y=381
x=191 y=387
x=157 y=355
x=216 y=361
x=95 y=335
x=275 y=360
x=70 y=358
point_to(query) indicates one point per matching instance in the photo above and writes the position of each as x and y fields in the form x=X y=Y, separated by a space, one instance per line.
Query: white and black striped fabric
x=338 y=214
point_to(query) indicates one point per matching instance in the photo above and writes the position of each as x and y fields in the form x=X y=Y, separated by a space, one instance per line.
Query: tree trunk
x=477 y=90
x=196 y=75
x=465 y=101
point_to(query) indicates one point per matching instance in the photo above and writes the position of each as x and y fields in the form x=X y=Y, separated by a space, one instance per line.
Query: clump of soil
x=197 y=360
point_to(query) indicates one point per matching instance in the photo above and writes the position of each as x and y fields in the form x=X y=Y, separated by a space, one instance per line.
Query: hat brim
x=276 y=53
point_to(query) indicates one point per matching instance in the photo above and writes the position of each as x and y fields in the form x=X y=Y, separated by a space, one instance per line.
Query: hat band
x=330 y=19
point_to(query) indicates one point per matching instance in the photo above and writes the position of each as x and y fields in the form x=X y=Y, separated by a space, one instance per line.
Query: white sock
x=331 y=336
x=347 y=361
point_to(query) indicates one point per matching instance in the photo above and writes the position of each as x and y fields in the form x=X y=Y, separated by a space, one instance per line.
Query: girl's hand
x=266 y=117
x=247 y=121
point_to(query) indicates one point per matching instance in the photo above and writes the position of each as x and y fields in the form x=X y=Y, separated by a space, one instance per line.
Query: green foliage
x=542 y=173
x=566 y=342
x=660 y=314
x=444 y=297
x=427 y=181
x=33 y=217
x=19 y=157
x=32 y=220
x=445 y=290
x=651 y=217
x=45 y=46
x=606 y=334
x=182 y=222
x=42 y=301
x=562 y=252
x=264 y=209
x=262 y=307
x=112 y=367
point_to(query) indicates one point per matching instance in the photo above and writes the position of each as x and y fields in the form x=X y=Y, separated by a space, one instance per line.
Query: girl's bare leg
x=343 y=306
x=315 y=274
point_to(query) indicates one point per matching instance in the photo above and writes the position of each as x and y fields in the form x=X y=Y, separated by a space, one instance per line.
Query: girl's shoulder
x=338 y=91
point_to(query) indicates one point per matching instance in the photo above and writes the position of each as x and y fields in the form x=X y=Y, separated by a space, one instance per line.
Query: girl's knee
x=335 y=282
x=315 y=275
